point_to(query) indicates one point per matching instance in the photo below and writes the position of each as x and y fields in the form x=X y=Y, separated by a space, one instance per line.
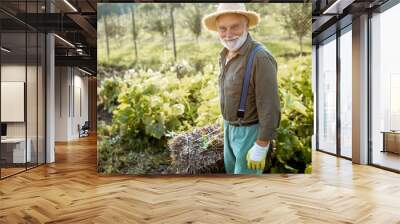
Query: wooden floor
x=10 y=171
x=70 y=191
x=387 y=159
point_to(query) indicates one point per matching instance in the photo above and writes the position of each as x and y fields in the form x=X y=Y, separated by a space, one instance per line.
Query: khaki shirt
x=262 y=102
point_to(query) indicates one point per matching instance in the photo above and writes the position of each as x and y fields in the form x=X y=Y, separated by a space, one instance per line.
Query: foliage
x=296 y=19
x=149 y=106
x=293 y=150
x=192 y=19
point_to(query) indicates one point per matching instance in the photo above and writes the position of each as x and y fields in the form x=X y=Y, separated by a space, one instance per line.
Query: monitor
x=3 y=129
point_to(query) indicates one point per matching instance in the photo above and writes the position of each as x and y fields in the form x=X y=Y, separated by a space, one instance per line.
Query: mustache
x=231 y=39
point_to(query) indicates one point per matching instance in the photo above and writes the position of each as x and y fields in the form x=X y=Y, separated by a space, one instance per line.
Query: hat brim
x=209 y=21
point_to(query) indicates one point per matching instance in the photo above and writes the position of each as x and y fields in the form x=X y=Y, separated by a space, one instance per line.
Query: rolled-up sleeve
x=267 y=97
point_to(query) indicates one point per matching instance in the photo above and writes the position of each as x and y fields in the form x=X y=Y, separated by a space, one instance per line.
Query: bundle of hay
x=199 y=151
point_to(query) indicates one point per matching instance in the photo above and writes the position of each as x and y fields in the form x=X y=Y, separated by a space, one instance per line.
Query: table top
x=14 y=140
x=391 y=132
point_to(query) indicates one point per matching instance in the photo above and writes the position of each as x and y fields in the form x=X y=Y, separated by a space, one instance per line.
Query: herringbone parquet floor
x=70 y=191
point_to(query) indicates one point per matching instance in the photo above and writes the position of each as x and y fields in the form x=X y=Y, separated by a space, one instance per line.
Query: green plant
x=146 y=106
x=293 y=149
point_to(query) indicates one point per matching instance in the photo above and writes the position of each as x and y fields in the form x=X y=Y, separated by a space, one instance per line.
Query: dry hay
x=199 y=151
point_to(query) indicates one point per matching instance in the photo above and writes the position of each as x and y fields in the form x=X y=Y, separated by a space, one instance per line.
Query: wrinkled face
x=231 y=26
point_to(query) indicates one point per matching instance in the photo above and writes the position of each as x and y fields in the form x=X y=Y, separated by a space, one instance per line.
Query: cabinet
x=391 y=142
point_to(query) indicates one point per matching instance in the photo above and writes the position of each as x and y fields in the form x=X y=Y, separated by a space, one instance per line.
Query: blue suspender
x=246 y=81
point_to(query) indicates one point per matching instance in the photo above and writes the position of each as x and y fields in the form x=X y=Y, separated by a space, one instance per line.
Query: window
x=346 y=92
x=327 y=95
x=385 y=88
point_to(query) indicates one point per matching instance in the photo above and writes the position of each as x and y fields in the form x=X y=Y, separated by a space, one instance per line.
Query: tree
x=193 y=18
x=158 y=22
x=106 y=36
x=172 y=8
x=156 y=19
x=296 y=18
x=134 y=31
x=104 y=11
x=171 y=15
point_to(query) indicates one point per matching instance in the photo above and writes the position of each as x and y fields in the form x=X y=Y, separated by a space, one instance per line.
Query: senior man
x=248 y=89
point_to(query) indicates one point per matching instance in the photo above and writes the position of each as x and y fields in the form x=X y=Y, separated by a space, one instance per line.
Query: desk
x=391 y=141
x=16 y=147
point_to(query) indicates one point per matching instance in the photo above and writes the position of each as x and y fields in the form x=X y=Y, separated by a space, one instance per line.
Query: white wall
x=33 y=126
x=50 y=95
x=14 y=72
x=61 y=103
x=71 y=87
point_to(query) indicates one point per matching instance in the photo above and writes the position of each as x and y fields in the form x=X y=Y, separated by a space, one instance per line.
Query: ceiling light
x=65 y=41
x=331 y=7
x=338 y=6
x=86 y=72
x=5 y=50
x=70 y=5
x=79 y=51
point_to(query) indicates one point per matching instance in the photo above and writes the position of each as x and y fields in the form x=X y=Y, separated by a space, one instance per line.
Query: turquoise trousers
x=237 y=142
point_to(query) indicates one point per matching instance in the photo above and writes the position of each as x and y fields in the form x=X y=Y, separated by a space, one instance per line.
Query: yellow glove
x=256 y=157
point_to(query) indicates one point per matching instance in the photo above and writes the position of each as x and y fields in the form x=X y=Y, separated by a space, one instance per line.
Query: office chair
x=84 y=130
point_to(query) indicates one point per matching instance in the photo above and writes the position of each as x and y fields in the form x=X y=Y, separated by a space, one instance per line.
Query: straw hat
x=209 y=21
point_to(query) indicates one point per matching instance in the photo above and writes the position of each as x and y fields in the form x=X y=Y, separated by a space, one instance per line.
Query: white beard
x=233 y=45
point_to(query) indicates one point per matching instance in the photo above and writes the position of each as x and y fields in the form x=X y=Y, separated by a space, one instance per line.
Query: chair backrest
x=86 y=125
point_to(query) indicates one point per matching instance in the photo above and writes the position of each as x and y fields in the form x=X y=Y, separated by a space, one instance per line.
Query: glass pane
x=386 y=89
x=23 y=79
x=31 y=97
x=327 y=96
x=41 y=99
x=13 y=86
x=345 y=94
